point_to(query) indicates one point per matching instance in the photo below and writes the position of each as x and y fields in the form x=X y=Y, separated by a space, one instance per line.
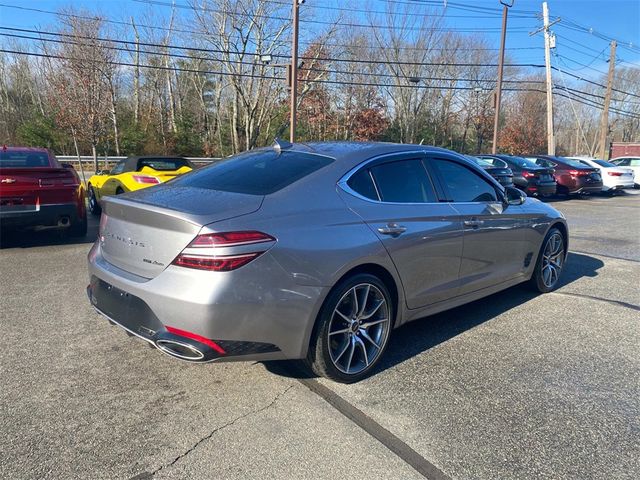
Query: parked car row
x=546 y=175
x=39 y=193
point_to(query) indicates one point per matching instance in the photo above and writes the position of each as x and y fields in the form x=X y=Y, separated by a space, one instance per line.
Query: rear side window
x=464 y=185
x=255 y=173
x=24 y=159
x=404 y=181
x=635 y=162
x=362 y=183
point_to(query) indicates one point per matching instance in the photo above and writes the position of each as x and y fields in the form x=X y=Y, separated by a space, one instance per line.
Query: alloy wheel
x=358 y=328
x=552 y=260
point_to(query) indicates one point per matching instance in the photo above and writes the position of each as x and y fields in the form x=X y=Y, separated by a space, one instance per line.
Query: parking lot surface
x=516 y=385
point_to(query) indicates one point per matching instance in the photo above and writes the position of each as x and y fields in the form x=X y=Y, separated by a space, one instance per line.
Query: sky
x=582 y=53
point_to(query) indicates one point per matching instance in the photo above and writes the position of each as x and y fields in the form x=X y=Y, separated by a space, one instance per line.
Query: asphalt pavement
x=516 y=385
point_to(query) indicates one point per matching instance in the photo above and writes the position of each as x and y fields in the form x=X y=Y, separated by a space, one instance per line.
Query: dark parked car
x=571 y=175
x=37 y=192
x=315 y=251
x=527 y=175
x=497 y=168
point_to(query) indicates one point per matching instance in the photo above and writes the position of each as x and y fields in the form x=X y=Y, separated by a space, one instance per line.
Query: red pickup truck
x=37 y=192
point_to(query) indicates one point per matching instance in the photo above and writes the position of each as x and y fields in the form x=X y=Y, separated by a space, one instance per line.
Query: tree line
x=209 y=80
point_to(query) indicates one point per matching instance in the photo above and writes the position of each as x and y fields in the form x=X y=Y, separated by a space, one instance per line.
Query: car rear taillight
x=203 y=252
x=579 y=173
x=614 y=174
x=526 y=174
x=148 y=179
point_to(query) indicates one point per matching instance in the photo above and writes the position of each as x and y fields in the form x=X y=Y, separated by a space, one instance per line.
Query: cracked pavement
x=512 y=386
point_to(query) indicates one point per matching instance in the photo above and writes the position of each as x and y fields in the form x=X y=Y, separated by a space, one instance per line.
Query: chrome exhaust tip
x=180 y=350
x=64 y=222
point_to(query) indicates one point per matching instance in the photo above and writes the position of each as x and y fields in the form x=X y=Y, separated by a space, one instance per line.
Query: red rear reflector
x=214 y=264
x=146 y=179
x=228 y=239
x=197 y=338
x=614 y=174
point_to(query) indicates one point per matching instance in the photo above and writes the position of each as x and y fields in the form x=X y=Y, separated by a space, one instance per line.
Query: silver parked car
x=315 y=251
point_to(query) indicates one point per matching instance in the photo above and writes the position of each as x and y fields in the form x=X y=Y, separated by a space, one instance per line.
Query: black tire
x=79 y=227
x=319 y=358
x=94 y=206
x=539 y=279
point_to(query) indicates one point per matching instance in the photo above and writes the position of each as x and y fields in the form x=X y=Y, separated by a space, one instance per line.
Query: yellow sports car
x=134 y=173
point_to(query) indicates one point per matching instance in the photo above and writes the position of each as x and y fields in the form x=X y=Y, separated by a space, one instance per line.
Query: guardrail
x=105 y=163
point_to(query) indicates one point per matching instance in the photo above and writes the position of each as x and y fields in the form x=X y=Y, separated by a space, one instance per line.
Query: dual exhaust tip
x=187 y=346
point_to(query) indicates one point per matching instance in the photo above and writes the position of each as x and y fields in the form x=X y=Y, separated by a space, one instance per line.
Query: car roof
x=348 y=152
x=7 y=148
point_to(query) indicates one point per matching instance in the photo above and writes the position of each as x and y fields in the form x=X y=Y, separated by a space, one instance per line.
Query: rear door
x=494 y=249
x=396 y=197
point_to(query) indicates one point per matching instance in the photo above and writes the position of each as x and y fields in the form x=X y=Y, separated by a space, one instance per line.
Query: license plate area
x=124 y=308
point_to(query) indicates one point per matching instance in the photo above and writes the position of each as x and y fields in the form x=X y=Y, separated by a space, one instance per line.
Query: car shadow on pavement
x=28 y=239
x=421 y=335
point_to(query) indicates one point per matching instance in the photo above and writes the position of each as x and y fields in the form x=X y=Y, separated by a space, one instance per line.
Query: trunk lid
x=30 y=186
x=144 y=231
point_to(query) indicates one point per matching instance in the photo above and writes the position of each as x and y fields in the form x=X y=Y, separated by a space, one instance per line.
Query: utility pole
x=496 y=118
x=294 y=72
x=551 y=141
x=604 y=121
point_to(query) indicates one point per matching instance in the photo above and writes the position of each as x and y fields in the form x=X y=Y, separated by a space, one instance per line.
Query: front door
x=494 y=233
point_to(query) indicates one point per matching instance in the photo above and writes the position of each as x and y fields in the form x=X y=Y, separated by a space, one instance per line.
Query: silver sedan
x=315 y=251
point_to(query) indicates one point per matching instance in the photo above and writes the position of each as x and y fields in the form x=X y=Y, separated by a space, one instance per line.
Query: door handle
x=392 y=229
x=473 y=223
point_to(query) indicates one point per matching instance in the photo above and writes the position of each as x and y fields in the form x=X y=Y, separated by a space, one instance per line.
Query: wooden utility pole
x=604 y=121
x=551 y=141
x=294 y=73
x=496 y=117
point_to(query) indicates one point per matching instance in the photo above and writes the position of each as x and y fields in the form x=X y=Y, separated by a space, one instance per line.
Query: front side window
x=404 y=181
x=463 y=184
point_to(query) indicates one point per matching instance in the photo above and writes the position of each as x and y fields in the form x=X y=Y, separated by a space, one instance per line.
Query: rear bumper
x=610 y=187
x=542 y=189
x=28 y=216
x=254 y=313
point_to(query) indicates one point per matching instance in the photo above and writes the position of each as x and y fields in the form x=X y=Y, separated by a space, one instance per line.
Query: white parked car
x=631 y=162
x=613 y=177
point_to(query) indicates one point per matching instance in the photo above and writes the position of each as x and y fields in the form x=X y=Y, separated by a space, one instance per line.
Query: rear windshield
x=529 y=162
x=259 y=172
x=572 y=163
x=24 y=159
x=605 y=164
x=163 y=163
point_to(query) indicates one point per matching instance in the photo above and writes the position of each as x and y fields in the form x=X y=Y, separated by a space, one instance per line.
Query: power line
x=336 y=23
x=334 y=82
x=200 y=33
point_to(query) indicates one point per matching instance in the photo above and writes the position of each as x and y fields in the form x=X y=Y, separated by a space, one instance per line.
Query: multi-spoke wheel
x=550 y=262
x=353 y=329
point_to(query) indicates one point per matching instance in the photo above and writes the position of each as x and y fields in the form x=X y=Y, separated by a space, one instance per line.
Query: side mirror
x=67 y=165
x=514 y=196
